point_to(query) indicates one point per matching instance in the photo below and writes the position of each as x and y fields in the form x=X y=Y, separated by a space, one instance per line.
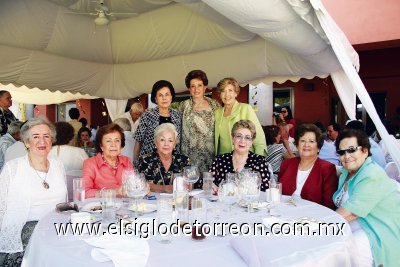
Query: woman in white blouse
x=31 y=186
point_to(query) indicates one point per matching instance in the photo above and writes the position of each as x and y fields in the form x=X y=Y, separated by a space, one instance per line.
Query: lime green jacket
x=240 y=111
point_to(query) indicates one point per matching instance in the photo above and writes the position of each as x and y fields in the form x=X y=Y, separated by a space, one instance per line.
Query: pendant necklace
x=45 y=184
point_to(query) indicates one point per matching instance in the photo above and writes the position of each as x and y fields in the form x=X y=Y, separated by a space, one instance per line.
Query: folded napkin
x=123 y=251
x=247 y=250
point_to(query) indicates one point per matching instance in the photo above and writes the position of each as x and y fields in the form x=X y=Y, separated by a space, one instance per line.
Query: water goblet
x=228 y=193
x=191 y=175
x=137 y=187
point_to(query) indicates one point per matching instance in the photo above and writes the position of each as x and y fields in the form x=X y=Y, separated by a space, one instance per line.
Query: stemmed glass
x=249 y=188
x=136 y=188
x=228 y=193
x=191 y=175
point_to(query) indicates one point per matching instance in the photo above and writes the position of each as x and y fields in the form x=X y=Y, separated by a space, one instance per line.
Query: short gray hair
x=244 y=124
x=123 y=123
x=14 y=127
x=136 y=107
x=25 y=129
x=166 y=127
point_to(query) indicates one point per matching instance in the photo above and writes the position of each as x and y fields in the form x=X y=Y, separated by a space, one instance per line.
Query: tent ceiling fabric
x=44 y=46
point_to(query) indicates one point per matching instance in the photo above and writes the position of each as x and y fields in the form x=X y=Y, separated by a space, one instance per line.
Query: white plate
x=95 y=207
x=144 y=208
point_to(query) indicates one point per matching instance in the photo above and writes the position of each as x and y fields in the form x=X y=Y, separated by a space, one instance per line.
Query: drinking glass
x=137 y=188
x=108 y=205
x=274 y=195
x=228 y=193
x=191 y=175
x=208 y=180
x=249 y=189
x=126 y=174
x=198 y=217
x=164 y=219
x=78 y=189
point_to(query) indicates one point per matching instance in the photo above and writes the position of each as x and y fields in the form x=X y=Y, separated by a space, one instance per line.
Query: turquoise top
x=375 y=199
x=223 y=128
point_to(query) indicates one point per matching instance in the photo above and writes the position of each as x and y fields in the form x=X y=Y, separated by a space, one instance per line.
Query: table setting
x=239 y=204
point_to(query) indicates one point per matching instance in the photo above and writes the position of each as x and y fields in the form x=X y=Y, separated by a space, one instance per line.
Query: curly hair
x=159 y=85
x=196 y=74
x=244 y=124
x=309 y=128
x=106 y=129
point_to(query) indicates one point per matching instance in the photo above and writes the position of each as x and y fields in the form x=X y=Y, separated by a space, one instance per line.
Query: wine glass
x=136 y=188
x=249 y=189
x=191 y=175
x=228 y=193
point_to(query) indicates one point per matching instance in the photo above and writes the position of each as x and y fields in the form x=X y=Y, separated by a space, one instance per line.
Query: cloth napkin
x=247 y=250
x=122 y=250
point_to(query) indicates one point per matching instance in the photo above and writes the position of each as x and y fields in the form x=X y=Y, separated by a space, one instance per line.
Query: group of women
x=32 y=185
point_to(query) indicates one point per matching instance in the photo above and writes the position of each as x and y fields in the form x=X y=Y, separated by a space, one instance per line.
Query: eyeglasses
x=247 y=138
x=349 y=150
x=283 y=111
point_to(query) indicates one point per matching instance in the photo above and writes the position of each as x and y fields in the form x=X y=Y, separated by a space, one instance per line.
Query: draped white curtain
x=349 y=76
x=115 y=107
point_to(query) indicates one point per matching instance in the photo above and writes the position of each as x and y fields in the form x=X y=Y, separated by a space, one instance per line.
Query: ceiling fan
x=103 y=14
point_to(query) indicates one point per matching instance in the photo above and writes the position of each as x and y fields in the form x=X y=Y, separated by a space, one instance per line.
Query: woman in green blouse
x=232 y=112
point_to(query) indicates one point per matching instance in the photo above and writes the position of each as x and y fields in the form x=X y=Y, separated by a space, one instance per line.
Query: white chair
x=392 y=171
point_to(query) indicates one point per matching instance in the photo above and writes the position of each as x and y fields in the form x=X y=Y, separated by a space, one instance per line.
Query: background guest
x=13 y=135
x=71 y=157
x=162 y=94
x=332 y=132
x=31 y=187
x=84 y=122
x=128 y=149
x=286 y=140
x=6 y=115
x=160 y=165
x=83 y=138
x=133 y=115
x=198 y=121
x=243 y=135
x=105 y=169
x=327 y=151
x=308 y=176
x=277 y=151
x=368 y=200
x=232 y=112
x=74 y=115
x=285 y=116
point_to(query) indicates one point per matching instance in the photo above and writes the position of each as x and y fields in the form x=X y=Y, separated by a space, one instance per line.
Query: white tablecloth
x=47 y=249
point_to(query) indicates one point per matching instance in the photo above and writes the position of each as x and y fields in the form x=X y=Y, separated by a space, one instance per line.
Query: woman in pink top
x=105 y=169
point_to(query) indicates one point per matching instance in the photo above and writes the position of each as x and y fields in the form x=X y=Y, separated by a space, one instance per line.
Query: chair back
x=392 y=171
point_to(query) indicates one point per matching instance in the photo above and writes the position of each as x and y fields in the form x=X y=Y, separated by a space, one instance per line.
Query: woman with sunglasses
x=308 y=176
x=285 y=116
x=243 y=135
x=369 y=200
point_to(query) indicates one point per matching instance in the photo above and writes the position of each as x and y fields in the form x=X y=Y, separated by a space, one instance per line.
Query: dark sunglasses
x=349 y=150
x=283 y=111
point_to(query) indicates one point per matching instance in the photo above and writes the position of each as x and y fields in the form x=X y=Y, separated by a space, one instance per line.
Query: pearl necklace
x=45 y=184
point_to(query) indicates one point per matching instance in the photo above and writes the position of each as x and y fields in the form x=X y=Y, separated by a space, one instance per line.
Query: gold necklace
x=44 y=183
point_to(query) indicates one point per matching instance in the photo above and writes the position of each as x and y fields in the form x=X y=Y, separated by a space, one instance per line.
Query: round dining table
x=46 y=248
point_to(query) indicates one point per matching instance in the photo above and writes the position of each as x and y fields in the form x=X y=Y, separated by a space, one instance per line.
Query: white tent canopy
x=44 y=46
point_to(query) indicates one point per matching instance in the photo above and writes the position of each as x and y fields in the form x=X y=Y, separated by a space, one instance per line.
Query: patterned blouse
x=150 y=165
x=198 y=133
x=275 y=157
x=6 y=117
x=148 y=123
x=223 y=164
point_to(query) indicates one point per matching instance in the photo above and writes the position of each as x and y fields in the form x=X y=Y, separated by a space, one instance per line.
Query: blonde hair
x=166 y=127
x=136 y=107
x=228 y=81
x=244 y=124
